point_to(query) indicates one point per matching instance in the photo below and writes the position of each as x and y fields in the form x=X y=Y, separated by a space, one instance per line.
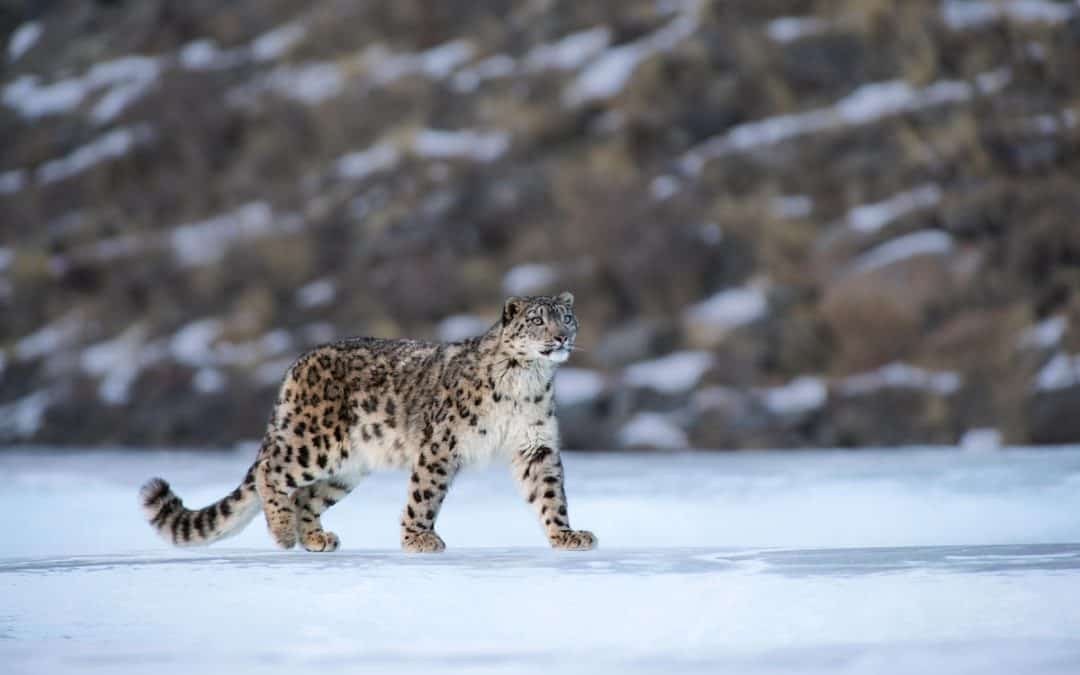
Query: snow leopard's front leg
x=432 y=474
x=539 y=472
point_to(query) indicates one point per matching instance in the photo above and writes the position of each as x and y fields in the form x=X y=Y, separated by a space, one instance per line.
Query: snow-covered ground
x=846 y=562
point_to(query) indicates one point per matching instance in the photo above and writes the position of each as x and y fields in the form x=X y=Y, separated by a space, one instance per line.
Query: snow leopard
x=363 y=404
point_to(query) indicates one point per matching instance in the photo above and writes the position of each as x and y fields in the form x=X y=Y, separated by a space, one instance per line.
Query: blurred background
x=798 y=223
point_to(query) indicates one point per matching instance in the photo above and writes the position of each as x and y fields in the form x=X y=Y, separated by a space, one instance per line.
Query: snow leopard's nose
x=561 y=339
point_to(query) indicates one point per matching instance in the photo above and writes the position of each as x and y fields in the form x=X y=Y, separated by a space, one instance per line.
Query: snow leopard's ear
x=511 y=308
x=566 y=298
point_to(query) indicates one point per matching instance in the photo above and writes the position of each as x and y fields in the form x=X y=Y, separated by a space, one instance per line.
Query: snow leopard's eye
x=537 y=321
x=569 y=319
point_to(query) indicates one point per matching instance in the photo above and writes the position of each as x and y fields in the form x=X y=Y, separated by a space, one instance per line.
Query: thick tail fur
x=185 y=527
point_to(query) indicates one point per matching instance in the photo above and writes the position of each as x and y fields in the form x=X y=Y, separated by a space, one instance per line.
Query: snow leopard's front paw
x=422 y=542
x=573 y=540
x=320 y=541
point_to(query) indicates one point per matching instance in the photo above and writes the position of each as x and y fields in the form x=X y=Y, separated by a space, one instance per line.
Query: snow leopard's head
x=540 y=327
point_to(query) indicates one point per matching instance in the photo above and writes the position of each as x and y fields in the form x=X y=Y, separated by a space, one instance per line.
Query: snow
x=208 y=381
x=792 y=206
x=1045 y=334
x=1050 y=123
x=791 y=28
x=318 y=293
x=33 y=101
x=309 y=83
x=192 y=344
x=199 y=54
x=578 y=386
x=652 y=430
x=529 y=279
x=857 y=562
x=675 y=373
x=571 y=52
x=49 y=339
x=23 y=39
x=900 y=376
x=12 y=181
x=277 y=43
x=363 y=163
x=318 y=333
x=205 y=242
x=22 y=418
x=130 y=77
x=250 y=352
x=981 y=440
x=802 y=395
x=926 y=242
x=870 y=218
x=461 y=144
x=865 y=105
x=127 y=79
x=730 y=308
x=664 y=187
x=112 y=145
x=436 y=63
x=461 y=326
x=117 y=362
x=1061 y=372
x=609 y=72
x=964 y=14
x=271 y=373
x=493 y=67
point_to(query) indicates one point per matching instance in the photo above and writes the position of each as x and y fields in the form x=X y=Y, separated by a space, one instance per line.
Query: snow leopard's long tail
x=185 y=527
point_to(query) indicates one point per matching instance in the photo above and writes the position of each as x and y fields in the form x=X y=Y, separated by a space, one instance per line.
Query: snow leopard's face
x=540 y=327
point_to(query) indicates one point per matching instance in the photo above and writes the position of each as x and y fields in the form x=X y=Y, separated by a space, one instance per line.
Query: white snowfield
x=877 y=562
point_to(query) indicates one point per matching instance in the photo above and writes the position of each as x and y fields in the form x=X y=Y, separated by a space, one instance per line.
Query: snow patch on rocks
x=652 y=430
x=981 y=440
x=461 y=327
x=966 y=14
x=206 y=242
x=363 y=163
x=870 y=218
x=112 y=145
x=927 y=242
x=787 y=29
x=730 y=308
x=1061 y=372
x=479 y=146
x=23 y=417
x=900 y=376
x=117 y=362
x=578 y=386
x=675 y=373
x=12 y=181
x=318 y=293
x=609 y=72
x=1045 y=334
x=276 y=43
x=49 y=339
x=802 y=395
x=529 y=279
x=865 y=105
x=23 y=39
x=569 y=53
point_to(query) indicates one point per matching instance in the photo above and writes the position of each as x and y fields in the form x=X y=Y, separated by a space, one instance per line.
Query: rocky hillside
x=788 y=223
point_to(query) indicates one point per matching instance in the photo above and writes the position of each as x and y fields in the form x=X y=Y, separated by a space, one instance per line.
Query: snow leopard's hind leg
x=283 y=468
x=312 y=501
